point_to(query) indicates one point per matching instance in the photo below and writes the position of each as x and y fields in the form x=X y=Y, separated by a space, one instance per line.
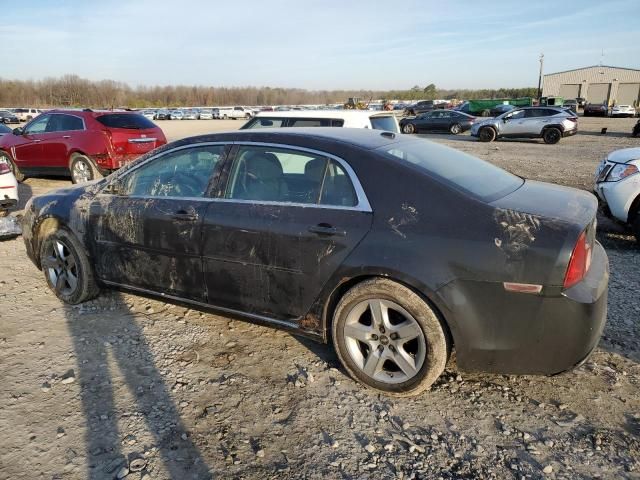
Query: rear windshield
x=132 y=121
x=463 y=172
x=387 y=123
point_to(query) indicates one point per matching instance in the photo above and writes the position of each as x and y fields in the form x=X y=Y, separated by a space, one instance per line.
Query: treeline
x=74 y=91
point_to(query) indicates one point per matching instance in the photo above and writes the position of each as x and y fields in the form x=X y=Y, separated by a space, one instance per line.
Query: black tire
x=62 y=258
x=14 y=168
x=82 y=169
x=635 y=226
x=247 y=116
x=455 y=129
x=552 y=135
x=487 y=134
x=425 y=323
x=408 y=128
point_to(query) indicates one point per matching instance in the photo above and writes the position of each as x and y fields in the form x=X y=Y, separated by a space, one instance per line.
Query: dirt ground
x=125 y=386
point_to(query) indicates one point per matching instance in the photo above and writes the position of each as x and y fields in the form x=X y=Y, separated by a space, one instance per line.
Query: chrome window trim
x=363 y=204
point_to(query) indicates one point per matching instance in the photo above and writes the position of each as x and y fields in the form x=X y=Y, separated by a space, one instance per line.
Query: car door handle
x=36 y=140
x=66 y=136
x=327 y=230
x=185 y=216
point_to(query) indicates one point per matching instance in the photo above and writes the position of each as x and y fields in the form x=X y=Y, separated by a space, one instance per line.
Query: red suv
x=86 y=144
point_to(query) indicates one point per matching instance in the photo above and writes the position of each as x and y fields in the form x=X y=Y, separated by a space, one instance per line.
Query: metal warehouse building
x=597 y=84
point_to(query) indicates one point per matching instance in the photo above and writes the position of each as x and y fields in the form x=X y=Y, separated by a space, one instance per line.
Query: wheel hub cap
x=384 y=341
x=61 y=268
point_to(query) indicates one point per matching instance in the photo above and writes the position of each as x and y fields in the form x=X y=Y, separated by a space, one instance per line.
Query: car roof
x=353 y=114
x=365 y=138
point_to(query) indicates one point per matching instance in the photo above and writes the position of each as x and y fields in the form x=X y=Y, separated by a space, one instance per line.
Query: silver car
x=548 y=123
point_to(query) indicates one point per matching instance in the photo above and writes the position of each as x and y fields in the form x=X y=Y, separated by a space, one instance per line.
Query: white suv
x=325 y=118
x=617 y=184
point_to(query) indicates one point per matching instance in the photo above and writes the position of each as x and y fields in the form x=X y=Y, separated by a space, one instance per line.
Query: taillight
x=4 y=168
x=579 y=262
x=573 y=119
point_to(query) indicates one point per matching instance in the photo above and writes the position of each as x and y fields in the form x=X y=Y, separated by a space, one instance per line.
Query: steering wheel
x=186 y=185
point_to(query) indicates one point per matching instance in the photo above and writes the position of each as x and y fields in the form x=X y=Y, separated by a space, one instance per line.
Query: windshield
x=131 y=121
x=459 y=170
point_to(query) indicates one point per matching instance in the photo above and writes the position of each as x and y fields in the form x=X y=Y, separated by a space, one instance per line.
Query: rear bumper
x=569 y=133
x=516 y=333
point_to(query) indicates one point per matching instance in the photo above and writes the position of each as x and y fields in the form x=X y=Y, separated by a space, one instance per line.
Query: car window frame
x=37 y=119
x=362 y=204
x=212 y=185
x=51 y=115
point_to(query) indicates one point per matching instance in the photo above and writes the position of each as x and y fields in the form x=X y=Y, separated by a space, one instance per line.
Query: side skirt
x=289 y=326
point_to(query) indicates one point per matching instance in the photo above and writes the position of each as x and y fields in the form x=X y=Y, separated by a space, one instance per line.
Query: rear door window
x=129 y=121
x=267 y=174
x=64 y=123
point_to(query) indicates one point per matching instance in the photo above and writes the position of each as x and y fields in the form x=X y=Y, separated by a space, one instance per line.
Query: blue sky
x=326 y=44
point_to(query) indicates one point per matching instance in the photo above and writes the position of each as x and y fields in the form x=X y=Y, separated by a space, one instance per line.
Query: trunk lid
x=537 y=227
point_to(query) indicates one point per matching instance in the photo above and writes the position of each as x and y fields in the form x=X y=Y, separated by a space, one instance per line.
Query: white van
x=325 y=118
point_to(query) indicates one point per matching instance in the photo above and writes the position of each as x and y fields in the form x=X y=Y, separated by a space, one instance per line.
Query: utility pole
x=540 y=78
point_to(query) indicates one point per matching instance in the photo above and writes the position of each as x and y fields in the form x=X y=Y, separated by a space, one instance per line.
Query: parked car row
x=84 y=144
x=602 y=110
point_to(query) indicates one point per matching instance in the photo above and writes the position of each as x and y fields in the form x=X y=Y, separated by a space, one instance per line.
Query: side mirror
x=113 y=188
x=18 y=131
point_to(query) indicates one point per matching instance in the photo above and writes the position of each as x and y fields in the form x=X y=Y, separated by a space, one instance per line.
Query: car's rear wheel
x=455 y=129
x=67 y=269
x=551 y=136
x=82 y=169
x=14 y=168
x=408 y=128
x=388 y=338
x=487 y=134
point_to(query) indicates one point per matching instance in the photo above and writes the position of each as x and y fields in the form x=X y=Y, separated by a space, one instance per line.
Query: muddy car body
x=405 y=239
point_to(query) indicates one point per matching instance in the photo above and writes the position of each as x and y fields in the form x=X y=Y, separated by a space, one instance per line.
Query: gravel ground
x=125 y=386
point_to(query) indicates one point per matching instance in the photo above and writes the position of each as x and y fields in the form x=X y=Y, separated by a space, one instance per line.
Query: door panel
x=148 y=233
x=144 y=242
x=269 y=246
x=263 y=259
x=28 y=151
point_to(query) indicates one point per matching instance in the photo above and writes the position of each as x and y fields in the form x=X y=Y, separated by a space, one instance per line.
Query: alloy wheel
x=61 y=268
x=81 y=172
x=384 y=341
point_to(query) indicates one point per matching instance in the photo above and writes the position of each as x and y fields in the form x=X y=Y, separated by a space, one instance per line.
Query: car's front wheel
x=551 y=136
x=487 y=134
x=67 y=269
x=82 y=169
x=388 y=338
x=408 y=128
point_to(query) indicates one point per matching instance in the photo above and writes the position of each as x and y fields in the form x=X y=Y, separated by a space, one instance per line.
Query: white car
x=206 y=114
x=326 y=118
x=623 y=111
x=8 y=188
x=235 y=112
x=149 y=114
x=176 y=115
x=26 y=114
x=617 y=184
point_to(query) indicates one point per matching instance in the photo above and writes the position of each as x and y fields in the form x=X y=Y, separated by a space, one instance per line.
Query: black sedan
x=8 y=117
x=500 y=109
x=395 y=250
x=451 y=121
